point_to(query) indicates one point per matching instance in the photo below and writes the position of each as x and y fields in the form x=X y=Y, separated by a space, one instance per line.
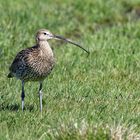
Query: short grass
x=93 y=97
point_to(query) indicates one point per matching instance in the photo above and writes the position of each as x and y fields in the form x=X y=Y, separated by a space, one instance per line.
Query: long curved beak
x=69 y=41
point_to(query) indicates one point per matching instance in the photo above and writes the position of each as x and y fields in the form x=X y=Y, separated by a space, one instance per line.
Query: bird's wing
x=20 y=63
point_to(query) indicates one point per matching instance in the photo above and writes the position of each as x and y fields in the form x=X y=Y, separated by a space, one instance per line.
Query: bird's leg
x=22 y=96
x=40 y=95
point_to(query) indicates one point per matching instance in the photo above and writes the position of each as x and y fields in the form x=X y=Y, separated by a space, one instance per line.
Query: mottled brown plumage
x=36 y=63
x=33 y=64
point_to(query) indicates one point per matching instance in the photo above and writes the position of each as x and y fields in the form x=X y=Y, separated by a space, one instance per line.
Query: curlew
x=36 y=63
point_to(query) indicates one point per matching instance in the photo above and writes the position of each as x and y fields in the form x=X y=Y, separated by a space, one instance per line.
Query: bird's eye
x=45 y=33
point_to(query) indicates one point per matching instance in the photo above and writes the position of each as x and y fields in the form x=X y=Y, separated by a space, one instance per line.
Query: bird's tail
x=9 y=75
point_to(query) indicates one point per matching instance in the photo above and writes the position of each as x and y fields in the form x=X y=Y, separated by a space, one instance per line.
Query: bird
x=36 y=63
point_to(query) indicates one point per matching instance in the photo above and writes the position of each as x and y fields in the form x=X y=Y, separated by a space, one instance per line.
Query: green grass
x=93 y=97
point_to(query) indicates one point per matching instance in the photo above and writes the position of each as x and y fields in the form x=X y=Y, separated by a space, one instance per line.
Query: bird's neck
x=43 y=44
x=45 y=48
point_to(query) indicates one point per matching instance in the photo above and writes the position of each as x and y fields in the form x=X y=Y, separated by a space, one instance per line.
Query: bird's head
x=45 y=35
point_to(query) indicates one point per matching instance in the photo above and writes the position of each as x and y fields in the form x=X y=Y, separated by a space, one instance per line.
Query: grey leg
x=22 y=96
x=40 y=95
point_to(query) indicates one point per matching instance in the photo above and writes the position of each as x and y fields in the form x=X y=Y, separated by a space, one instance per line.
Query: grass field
x=95 y=97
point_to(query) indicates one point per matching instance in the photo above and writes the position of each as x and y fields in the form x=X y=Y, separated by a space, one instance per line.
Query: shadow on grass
x=15 y=107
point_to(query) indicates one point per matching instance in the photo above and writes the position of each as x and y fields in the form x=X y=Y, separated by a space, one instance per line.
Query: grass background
x=85 y=97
